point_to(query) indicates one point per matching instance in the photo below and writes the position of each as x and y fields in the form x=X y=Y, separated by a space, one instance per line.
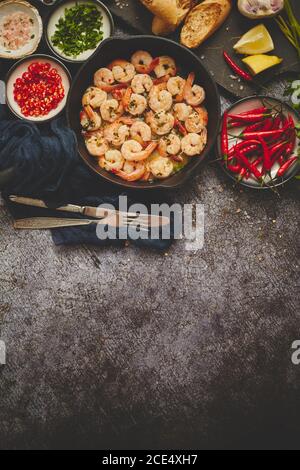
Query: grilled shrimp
x=176 y=86
x=133 y=151
x=112 y=160
x=103 y=78
x=132 y=171
x=111 y=110
x=203 y=115
x=122 y=70
x=96 y=144
x=197 y=121
x=182 y=111
x=193 y=144
x=89 y=119
x=161 y=123
x=117 y=133
x=169 y=145
x=137 y=104
x=160 y=99
x=94 y=97
x=194 y=95
x=160 y=167
x=142 y=61
x=166 y=66
x=141 y=132
x=141 y=83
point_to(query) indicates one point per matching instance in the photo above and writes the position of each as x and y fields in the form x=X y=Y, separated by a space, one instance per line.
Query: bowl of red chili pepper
x=37 y=88
x=258 y=143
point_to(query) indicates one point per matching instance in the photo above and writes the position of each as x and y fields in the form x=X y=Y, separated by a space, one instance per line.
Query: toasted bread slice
x=162 y=26
x=226 y=6
x=201 y=23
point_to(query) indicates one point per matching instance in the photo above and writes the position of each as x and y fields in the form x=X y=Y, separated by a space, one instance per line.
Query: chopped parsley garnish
x=178 y=166
x=79 y=30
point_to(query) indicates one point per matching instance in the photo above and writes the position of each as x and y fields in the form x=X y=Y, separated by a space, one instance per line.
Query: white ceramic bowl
x=244 y=105
x=59 y=12
x=17 y=71
x=13 y=6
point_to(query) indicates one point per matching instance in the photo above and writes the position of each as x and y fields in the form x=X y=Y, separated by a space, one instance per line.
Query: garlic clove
x=260 y=8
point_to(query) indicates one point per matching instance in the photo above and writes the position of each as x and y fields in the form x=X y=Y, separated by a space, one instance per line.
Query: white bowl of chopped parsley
x=75 y=29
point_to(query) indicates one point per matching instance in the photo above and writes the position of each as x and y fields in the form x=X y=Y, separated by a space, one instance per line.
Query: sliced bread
x=226 y=6
x=201 y=23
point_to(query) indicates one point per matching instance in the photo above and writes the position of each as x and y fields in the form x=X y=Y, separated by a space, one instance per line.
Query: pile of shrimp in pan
x=141 y=120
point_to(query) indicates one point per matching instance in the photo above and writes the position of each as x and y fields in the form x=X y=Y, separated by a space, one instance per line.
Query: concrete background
x=129 y=348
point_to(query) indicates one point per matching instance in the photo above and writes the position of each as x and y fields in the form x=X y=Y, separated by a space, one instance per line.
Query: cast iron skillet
x=114 y=48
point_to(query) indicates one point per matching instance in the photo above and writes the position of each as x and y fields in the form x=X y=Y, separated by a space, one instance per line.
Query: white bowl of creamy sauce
x=21 y=29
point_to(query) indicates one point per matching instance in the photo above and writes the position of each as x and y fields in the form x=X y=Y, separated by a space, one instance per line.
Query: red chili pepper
x=257 y=161
x=236 y=68
x=164 y=79
x=263 y=134
x=154 y=63
x=234 y=168
x=292 y=141
x=245 y=147
x=265 y=125
x=250 y=148
x=180 y=127
x=268 y=125
x=224 y=137
x=118 y=94
x=286 y=166
x=249 y=165
x=258 y=126
x=243 y=174
x=291 y=121
x=249 y=117
x=236 y=124
x=266 y=154
x=278 y=157
x=276 y=123
x=263 y=109
x=113 y=88
x=279 y=147
x=289 y=149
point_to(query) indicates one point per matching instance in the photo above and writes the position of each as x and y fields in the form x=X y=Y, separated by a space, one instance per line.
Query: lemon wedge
x=257 y=41
x=261 y=62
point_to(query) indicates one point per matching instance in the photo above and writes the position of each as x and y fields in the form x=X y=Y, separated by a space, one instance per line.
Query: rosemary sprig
x=290 y=26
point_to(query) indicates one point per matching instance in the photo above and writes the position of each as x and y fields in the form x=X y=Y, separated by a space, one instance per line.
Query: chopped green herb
x=79 y=30
x=177 y=167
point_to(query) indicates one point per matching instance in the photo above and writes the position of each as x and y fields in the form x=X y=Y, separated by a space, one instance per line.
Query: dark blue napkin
x=46 y=165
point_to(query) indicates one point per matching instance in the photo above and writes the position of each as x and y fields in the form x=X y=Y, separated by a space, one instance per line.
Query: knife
x=46 y=223
x=39 y=223
x=88 y=211
x=96 y=212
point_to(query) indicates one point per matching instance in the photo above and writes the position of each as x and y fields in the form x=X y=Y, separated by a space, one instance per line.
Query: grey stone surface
x=129 y=348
